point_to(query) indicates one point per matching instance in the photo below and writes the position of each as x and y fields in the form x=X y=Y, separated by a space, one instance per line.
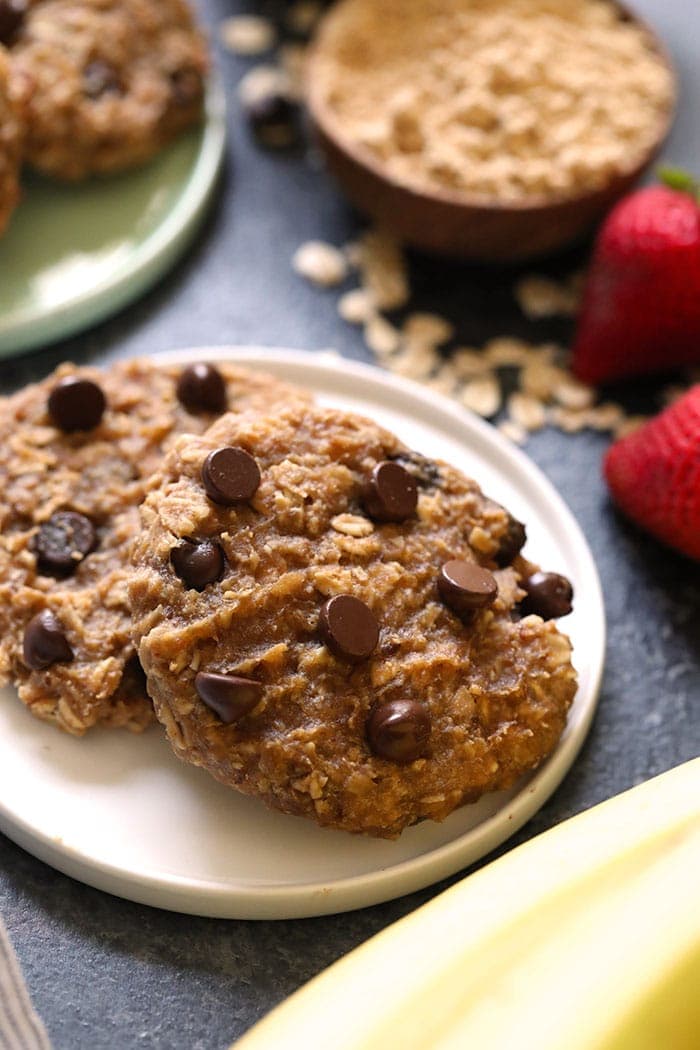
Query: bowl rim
x=327 y=128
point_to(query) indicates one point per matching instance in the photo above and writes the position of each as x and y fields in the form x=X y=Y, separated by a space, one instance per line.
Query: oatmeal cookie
x=10 y=145
x=77 y=454
x=104 y=85
x=355 y=653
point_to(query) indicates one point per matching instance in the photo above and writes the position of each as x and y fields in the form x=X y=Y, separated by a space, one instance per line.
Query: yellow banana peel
x=584 y=938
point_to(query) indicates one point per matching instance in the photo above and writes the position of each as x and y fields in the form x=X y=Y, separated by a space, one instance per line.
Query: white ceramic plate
x=76 y=253
x=120 y=813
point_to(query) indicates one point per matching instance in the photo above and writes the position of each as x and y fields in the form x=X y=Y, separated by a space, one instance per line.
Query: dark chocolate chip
x=349 y=628
x=63 y=542
x=228 y=695
x=99 y=78
x=45 y=642
x=201 y=388
x=465 y=586
x=198 y=564
x=399 y=730
x=549 y=595
x=274 y=119
x=186 y=86
x=425 y=471
x=392 y=493
x=76 y=404
x=230 y=475
x=511 y=543
x=12 y=14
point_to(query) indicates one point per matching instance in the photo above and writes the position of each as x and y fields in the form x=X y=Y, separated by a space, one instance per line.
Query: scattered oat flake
x=261 y=81
x=607 y=416
x=570 y=393
x=629 y=424
x=506 y=352
x=468 y=363
x=321 y=263
x=383 y=270
x=513 y=431
x=355 y=307
x=427 y=328
x=568 y=420
x=526 y=411
x=482 y=395
x=381 y=337
x=540 y=297
x=540 y=379
x=445 y=380
x=248 y=34
x=415 y=361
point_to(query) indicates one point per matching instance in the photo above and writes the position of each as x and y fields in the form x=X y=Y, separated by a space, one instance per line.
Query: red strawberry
x=641 y=305
x=654 y=474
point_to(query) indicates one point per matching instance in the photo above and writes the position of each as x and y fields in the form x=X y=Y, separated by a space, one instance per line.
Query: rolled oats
x=503 y=99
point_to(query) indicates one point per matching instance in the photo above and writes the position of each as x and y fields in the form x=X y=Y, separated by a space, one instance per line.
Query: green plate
x=75 y=254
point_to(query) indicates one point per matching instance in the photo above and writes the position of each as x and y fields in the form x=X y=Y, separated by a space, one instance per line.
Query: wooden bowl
x=456 y=224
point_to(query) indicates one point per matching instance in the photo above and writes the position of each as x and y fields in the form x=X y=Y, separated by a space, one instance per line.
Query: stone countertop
x=106 y=973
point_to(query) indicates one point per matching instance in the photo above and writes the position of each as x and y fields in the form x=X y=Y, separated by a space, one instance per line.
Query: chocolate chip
x=392 y=494
x=201 y=388
x=425 y=471
x=399 y=730
x=274 y=119
x=349 y=628
x=45 y=642
x=465 y=586
x=99 y=78
x=63 y=542
x=12 y=14
x=186 y=86
x=228 y=695
x=549 y=595
x=511 y=543
x=230 y=475
x=198 y=564
x=76 y=404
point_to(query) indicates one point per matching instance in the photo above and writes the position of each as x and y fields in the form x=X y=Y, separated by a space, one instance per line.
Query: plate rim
x=148 y=261
x=249 y=900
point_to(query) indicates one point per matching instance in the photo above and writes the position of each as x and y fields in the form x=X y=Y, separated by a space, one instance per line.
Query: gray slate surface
x=105 y=973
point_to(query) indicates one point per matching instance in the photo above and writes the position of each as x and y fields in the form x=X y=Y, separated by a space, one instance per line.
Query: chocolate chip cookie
x=77 y=454
x=331 y=622
x=105 y=85
x=10 y=143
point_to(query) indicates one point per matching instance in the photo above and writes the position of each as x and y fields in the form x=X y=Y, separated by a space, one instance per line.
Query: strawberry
x=654 y=474
x=641 y=305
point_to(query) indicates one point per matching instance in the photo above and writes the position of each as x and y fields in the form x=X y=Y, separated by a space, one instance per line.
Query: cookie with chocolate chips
x=77 y=455
x=329 y=623
x=103 y=85
x=10 y=138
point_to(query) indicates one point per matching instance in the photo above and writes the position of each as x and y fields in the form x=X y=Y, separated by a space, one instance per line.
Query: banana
x=584 y=938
